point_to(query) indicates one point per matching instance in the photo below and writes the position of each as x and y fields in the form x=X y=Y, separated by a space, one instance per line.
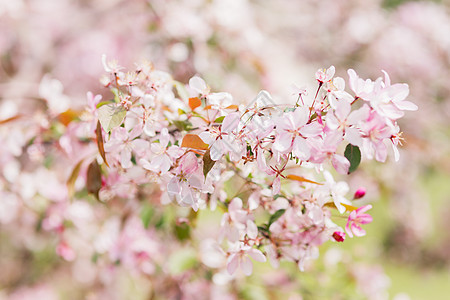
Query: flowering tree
x=158 y=143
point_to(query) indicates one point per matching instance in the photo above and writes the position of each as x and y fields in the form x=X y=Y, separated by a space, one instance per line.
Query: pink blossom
x=325 y=75
x=186 y=184
x=241 y=259
x=124 y=143
x=163 y=156
x=221 y=140
x=293 y=130
x=357 y=218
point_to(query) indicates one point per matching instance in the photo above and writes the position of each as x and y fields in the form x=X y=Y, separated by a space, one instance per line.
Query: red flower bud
x=339 y=236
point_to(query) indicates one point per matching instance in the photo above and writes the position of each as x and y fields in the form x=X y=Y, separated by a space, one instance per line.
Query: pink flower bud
x=339 y=236
x=359 y=193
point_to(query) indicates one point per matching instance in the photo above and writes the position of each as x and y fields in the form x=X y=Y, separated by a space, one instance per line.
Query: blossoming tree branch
x=265 y=166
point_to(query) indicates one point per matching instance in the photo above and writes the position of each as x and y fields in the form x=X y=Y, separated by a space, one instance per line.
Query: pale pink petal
x=164 y=137
x=398 y=92
x=406 y=105
x=357 y=230
x=160 y=163
x=348 y=230
x=232 y=264
x=338 y=205
x=340 y=163
x=198 y=85
x=332 y=122
x=311 y=130
x=330 y=72
x=283 y=142
x=353 y=79
x=149 y=128
x=206 y=137
x=230 y=122
x=125 y=158
x=300 y=116
x=257 y=255
x=195 y=182
x=253 y=200
x=261 y=160
x=246 y=265
x=387 y=79
x=235 y=204
x=165 y=165
x=187 y=198
x=216 y=150
x=332 y=140
x=339 y=83
x=252 y=229
x=189 y=163
x=363 y=209
x=276 y=186
x=380 y=152
x=140 y=145
x=359 y=115
x=173 y=187
x=342 y=110
x=365 y=219
x=353 y=136
x=396 y=153
x=301 y=149
x=145 y=164
x=135 y=132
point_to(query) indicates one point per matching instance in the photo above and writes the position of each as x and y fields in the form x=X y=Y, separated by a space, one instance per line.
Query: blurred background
x=243 y=46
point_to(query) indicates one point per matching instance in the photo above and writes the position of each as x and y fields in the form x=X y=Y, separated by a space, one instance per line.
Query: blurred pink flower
x=356 y=218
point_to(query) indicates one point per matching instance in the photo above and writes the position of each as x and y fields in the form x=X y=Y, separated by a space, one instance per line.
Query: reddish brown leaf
x=100 y=146
x=193 y=141
x=208 y=163
x=233 y=106
x=194 y=103
x=94 y=178
x=67 y=116
x=10 y=119
x=301 y=179
x=73 y=178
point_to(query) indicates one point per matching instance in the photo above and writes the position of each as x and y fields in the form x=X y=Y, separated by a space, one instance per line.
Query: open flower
x=241 y=259
x=356 y=218
x=293 y=130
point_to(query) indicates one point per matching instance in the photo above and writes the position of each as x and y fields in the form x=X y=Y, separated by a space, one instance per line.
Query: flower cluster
x=263 y=164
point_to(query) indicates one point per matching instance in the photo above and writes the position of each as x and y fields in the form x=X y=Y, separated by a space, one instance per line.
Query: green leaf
x=182 y=231
x=100 y=104
x=219 y=119
x=208 y=163
x=353 y=154
x=116 y=94
x=147 y=213
x=276 y=216
x=183 y=125
x=111 y=116
x=182 y=260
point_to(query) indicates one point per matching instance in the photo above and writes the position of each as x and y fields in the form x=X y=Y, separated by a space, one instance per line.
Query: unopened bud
x=339 y=236
x=359 y=193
